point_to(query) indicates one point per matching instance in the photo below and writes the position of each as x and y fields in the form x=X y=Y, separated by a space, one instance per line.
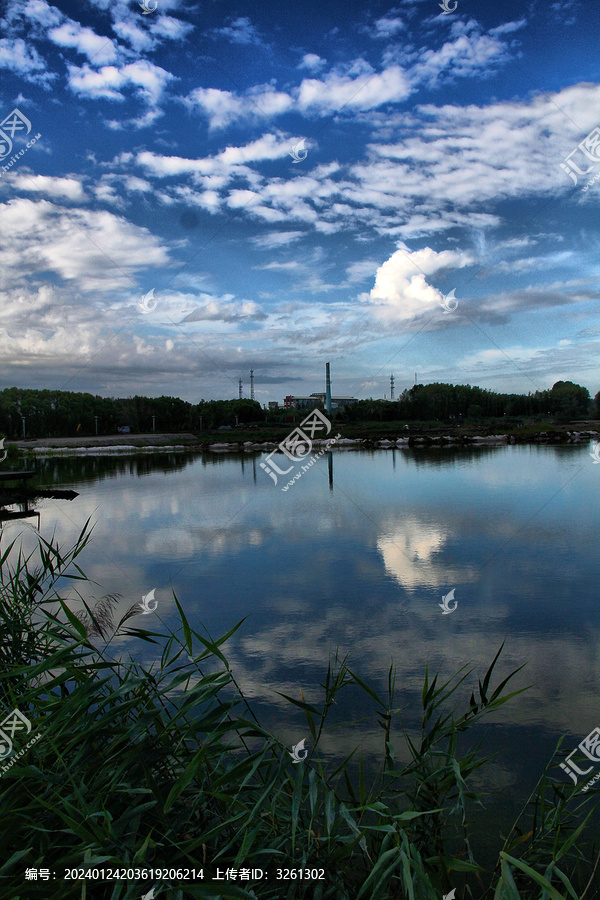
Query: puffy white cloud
x=109 y=81
x=357 y=86
x=223 y=107
x=467 y=55
x=23 y=59
x=313 y=62
x=366 y=90
x=97 y=48
x=50 y=186
x=97 y=250
x=401 y=288
x=388 y=26
x=40 y=12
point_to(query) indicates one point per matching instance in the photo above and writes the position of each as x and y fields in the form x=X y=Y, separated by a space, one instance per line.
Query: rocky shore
x=160 y=443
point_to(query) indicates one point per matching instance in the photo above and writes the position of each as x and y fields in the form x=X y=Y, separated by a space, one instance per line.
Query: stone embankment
x=157 y=443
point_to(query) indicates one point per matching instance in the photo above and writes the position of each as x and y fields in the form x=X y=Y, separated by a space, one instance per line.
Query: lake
x=356 y=557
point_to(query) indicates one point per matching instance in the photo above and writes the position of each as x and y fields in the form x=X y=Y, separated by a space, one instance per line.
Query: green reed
x=166 y=766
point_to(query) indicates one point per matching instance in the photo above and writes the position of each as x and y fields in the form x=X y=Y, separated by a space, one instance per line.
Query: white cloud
x=366 y=90
x=468 y=55
x=23 y=59
x=50 y=186
x=108 y=82
x=97 y=48
x=240 y=31
x=360 y=271
x=40 y=12
x=224 y=309
x=97 y=250
x=313 y=62
x=224 y=107
x=508 y=27
x=357 y=86
x=401 y=288
x=277 y=239
x=388 y=26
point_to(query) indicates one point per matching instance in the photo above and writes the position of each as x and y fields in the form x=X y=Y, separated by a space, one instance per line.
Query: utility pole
x=96 y=421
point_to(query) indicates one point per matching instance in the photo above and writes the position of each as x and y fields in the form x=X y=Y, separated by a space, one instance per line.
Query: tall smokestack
x=327 y=388
x=240 y=387
x=391 y=387
x=252 y=384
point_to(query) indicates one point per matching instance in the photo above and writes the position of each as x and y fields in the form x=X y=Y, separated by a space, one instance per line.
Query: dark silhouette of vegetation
x=425 y=402
x=68 y=414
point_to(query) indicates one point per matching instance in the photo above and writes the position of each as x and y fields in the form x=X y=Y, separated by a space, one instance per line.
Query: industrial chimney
x=327 y=389
x=252 y=384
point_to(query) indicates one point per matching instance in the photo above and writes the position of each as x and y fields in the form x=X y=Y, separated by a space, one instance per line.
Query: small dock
x=22 y=477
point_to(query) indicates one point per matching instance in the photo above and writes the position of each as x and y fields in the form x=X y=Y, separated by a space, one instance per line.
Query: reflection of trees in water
x=55 y=470
x=441 y=456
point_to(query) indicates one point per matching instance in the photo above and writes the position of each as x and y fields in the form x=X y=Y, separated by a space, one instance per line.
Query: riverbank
x=368 y=436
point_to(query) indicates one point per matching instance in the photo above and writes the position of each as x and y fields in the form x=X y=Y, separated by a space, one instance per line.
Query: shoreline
x=187 y=442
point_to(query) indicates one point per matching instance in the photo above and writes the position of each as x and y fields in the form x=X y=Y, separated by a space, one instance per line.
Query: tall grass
x=166 y=766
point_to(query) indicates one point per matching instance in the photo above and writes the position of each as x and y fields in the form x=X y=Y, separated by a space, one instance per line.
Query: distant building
x=317 y=399
x=292 y=402
x=335 y=401
x=273 y=404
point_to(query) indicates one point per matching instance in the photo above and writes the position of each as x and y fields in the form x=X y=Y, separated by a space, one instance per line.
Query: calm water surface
x=355 y=557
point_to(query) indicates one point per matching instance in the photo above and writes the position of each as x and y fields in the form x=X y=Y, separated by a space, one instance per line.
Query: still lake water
x=356 y=557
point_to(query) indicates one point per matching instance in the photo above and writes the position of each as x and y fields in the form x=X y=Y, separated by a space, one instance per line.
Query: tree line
x=425 y=402
x=67 y=414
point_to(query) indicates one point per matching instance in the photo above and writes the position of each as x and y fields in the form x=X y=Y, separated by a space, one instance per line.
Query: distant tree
x=475 y=411
x=568 y=400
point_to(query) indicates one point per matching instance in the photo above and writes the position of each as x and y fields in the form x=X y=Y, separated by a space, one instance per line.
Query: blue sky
x=433 y=157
